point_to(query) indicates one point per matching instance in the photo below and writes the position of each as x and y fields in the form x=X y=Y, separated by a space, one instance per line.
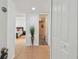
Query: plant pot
x=32 y=40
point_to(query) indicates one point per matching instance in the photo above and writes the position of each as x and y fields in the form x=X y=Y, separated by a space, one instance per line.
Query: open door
x=64 y=29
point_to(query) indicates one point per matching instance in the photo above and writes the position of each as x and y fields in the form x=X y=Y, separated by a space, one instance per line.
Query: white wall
x=32 y=20
x=3 y=25
x=7 y=27
x=21 y=22
x=11 y=29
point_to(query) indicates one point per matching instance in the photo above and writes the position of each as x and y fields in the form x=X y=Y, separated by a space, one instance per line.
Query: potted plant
x=32 y=31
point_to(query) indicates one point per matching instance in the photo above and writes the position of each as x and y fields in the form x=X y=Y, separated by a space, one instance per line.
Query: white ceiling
x=25 y=6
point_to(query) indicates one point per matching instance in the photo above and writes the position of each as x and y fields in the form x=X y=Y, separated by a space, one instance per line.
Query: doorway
x=35 y=44
x=20 y=34
x=43 y=38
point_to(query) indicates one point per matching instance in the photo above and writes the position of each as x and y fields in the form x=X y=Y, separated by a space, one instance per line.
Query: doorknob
x=4 y=9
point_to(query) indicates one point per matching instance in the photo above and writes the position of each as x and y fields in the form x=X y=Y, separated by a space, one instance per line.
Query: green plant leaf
x=32 y=31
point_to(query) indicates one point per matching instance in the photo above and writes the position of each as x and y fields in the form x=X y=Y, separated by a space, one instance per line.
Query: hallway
x=22 y=52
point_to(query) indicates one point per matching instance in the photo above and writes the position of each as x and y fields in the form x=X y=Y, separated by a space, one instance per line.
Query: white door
x=64 y=29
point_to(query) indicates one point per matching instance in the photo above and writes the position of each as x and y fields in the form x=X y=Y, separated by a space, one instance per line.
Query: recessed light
x=33 y=8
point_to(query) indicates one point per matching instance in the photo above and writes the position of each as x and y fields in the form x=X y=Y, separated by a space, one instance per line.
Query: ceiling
x=25 y=6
